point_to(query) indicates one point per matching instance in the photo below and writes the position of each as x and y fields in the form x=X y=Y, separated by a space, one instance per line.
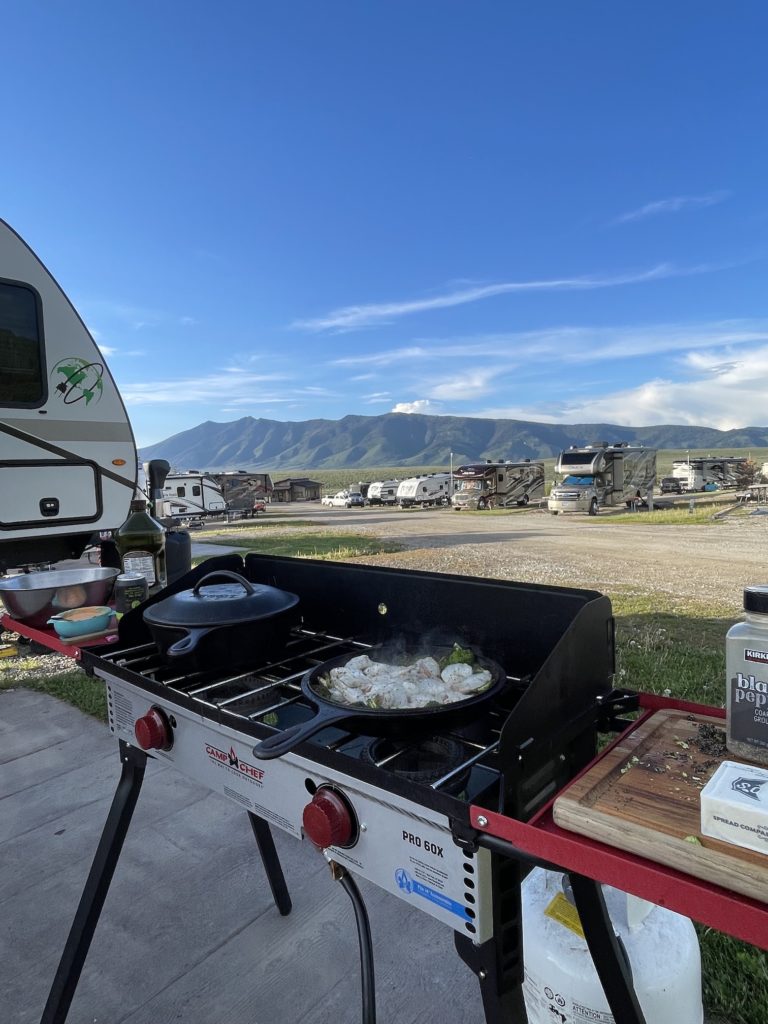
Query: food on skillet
x=423 y=683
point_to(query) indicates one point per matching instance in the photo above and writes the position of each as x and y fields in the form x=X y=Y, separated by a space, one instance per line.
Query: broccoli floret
x=458 y=656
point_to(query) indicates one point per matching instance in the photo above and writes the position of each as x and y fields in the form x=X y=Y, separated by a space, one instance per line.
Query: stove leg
x=502 y=995
x=97 y=886
x=271 y=861
x=608 y=954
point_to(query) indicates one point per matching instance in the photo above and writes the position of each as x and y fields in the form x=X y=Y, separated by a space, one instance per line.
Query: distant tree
x=748 y=473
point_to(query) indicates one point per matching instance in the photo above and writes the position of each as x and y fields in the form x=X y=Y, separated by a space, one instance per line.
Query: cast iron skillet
x=379 y=721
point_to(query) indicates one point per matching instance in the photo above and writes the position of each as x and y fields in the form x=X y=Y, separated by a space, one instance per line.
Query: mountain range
x=400 y=439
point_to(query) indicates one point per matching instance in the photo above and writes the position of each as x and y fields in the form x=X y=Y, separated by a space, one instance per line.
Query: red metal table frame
x=47 y=638
x=711 y=905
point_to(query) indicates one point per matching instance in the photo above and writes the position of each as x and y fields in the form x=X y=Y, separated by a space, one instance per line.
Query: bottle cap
x=756 y=599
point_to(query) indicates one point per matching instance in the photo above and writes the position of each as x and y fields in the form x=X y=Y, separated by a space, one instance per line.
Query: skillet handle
x=282 y=742
x=187 y=644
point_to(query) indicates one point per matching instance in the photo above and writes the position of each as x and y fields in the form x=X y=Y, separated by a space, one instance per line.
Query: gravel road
x=707 y=563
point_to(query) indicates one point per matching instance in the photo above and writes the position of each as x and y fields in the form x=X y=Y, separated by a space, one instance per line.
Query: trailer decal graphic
x=81 y=380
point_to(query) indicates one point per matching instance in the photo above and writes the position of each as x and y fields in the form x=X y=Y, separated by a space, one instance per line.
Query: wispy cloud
x=219 y=388
x=111 y=351
x=575 y=344
x=351 y=317
x=673 y=205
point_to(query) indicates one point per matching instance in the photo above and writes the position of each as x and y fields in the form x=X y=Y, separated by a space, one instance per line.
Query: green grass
x=75 y=687
x=735 y=978
x=309 y=544
x=680 y=516
x=230 y=530
x=662 y=645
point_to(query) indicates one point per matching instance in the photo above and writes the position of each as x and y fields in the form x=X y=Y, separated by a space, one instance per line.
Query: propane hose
x=341 y=875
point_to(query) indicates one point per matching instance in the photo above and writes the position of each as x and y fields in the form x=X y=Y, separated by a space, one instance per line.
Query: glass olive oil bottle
x=141 y=544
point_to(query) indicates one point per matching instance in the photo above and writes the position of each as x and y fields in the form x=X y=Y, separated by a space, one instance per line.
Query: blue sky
x=296 y=210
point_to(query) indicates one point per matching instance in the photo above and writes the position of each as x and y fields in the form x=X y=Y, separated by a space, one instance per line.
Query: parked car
x=671 y=485
x=327 y=499
x=355 y=500
x=339 y=500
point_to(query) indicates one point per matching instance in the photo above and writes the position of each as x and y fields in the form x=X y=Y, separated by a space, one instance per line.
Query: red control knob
x=329 y=820
x=153 y=731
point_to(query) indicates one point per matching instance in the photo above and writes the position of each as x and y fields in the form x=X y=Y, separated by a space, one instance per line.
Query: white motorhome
x=603 y=475
x=701 y=474
x=434 y=489
x=382 y=492
x=192 y=494
x=489 y=484
x=67 y=453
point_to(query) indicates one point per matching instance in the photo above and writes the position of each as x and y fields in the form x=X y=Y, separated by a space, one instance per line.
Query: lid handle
x=249 y=589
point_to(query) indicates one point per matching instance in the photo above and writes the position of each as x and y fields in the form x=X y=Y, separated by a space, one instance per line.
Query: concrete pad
x=202 y=549
x=189 y=931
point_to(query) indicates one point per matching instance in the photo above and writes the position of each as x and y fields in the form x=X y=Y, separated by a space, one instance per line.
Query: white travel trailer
x=382 y=492
x=701 y=474
x=192 y=494
x=434 y=489
x=67 y=452
x=603 y=475
x=489 y=484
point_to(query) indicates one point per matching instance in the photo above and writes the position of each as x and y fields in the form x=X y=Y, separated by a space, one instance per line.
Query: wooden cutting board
x=643 y=797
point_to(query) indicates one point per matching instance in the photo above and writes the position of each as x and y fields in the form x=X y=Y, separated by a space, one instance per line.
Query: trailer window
x=195 y=491
x=181 y=492
x=21 y=364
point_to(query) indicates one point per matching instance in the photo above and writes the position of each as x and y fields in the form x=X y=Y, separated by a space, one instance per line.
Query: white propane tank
x=561 y=984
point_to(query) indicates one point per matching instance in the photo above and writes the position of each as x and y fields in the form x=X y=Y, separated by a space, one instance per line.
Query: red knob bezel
x=153 y=731
x=329 y=820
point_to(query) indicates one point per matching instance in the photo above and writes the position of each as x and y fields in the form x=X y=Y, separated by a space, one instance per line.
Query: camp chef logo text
x=230 y=760
x=761 y=656
x=749 y=787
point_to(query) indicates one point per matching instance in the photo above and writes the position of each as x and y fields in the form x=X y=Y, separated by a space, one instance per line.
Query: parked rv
x=434 y=489
x=69 y=462
x=192 y=494
x=489 y=484
x=382 y=492
x=241 y=488
x=697 y=473
x=603 y=475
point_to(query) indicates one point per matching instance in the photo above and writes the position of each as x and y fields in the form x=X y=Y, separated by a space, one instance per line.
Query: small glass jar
x=746 y=668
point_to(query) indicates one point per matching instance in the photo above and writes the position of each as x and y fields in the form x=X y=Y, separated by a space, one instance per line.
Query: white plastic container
x=561 y=983
x=746 y=670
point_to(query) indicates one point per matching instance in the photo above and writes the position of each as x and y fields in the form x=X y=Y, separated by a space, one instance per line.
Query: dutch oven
x=222 y=626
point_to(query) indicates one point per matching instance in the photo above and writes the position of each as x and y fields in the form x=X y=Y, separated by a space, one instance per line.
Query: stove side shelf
x=542 y=840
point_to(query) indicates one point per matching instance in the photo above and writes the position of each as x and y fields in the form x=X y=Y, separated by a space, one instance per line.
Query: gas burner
x=424 y=761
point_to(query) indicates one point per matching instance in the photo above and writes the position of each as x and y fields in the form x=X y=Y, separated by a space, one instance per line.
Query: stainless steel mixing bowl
x=34 y=597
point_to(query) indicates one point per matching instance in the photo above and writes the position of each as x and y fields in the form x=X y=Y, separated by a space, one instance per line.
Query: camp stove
x=392 y=810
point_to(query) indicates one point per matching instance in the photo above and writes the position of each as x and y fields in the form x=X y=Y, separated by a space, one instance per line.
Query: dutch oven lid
x=220 y=604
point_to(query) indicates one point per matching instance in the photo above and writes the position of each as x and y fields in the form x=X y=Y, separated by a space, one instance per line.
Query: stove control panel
x=153 y=730
x=399 y=844
x=329 y=820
